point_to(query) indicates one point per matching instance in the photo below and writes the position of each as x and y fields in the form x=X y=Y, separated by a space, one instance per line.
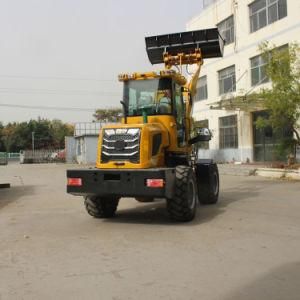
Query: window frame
x=132 y=92
x=261 y=64
x=180 y=112
x=231 y=29
x=279 y=48
x=231 y=75
x=266 y=9
x=202 y=89
x=223 y=133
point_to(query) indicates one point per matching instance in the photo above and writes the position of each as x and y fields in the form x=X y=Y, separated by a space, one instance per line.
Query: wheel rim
x=216 y=183
x=191 y=194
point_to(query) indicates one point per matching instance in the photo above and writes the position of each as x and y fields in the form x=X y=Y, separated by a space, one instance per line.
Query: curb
x=278 y=173
x=263 y=172
x=236 y=170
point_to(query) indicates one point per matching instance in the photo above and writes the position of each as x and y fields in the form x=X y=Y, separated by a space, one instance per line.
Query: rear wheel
x=182 y=207
x=101 y=207
x=208 y=184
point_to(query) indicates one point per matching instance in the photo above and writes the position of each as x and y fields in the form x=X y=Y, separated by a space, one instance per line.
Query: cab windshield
x=151 y=96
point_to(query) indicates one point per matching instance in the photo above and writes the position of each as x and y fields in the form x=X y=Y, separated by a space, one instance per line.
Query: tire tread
x=178 y=206
x=99 y=207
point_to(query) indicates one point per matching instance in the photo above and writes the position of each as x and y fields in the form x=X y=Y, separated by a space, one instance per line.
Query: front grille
x=121 y=144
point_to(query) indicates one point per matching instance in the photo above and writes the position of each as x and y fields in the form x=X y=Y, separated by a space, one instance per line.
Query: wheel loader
x=150 y=153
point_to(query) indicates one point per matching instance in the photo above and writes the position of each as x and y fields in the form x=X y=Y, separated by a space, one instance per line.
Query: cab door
x=179 y=110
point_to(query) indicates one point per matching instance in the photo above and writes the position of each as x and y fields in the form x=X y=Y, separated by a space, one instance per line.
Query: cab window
x=180 y=116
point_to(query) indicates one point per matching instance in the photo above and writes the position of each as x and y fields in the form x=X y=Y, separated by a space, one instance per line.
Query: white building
x=244 y=24
x=82 y=147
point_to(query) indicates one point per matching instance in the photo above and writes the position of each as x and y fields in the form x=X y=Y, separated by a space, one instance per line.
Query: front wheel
x=101 y=207
x=182 y=207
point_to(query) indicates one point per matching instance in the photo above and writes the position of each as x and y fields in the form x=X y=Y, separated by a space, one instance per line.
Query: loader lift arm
x=186 y=48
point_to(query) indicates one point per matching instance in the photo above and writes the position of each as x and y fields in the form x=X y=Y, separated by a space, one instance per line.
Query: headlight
x=133 y=131
x=109 y=132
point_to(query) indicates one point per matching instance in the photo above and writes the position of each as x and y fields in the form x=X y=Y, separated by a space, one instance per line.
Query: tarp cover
x=209 y=41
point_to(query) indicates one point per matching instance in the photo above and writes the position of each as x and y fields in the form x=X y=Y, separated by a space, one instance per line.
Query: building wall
x=70 y=146
x=238 y=53
x=91 y=147
x=86 y=149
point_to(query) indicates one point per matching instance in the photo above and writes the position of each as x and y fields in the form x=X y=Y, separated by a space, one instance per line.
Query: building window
x=258 y=67
x=227 y=80
x=264 y=12
x=201 y=93
x=226 y=29
x=228 y=132
x=202 y=124
x=258 y=70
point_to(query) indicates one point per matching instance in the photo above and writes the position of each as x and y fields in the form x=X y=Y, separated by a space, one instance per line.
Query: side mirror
x=202 y=135
x=125 y=111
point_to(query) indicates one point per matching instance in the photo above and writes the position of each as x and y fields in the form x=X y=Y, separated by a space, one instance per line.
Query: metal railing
x=87 y=128
x=42 y=156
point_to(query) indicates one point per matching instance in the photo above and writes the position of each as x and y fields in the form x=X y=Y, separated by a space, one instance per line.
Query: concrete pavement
x=245 y=247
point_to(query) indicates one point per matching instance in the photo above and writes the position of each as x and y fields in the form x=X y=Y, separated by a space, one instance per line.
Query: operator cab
x=158 y=96
x=153 y=96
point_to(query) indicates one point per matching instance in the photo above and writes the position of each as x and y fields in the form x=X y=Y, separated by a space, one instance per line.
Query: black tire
x=182 y=207
x=101 y=207
x=144 y=199
x=208 y=184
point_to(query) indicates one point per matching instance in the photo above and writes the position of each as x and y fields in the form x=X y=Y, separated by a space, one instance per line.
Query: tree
x=58 y=132
x=47 y=134
x=8 y=136
x=1 y=137
x=282 y=100
x=108 y=114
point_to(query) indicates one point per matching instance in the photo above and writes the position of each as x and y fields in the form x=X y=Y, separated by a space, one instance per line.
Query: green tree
x=282 y=100
x=59 y=131
x=37 y=128
x=108 y=114
x=8 y=136
x=1 y=134
x=47 y=134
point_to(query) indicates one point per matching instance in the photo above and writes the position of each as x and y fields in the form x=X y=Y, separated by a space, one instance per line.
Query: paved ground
x=246 y=247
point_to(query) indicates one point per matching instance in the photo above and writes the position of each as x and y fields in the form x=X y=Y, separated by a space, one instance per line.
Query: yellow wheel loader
x=149 y=154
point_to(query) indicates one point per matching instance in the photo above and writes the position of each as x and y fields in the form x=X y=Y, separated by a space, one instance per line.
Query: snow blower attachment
x=185 y=47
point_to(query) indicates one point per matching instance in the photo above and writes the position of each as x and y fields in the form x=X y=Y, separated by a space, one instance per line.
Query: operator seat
x=164 y=106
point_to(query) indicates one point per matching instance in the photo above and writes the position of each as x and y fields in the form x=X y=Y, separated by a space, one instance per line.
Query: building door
x=267 y=142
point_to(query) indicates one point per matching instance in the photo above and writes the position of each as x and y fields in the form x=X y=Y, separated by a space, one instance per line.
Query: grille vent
x=121 y=144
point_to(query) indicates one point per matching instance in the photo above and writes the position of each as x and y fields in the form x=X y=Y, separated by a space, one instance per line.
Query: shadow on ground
x=279 y=283
x=156 y=213
x=12 y=194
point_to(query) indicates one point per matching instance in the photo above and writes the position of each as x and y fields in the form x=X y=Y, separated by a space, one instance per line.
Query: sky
x=67 y=54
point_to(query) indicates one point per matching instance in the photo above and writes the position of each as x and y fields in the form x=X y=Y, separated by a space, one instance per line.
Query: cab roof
x=177 y=77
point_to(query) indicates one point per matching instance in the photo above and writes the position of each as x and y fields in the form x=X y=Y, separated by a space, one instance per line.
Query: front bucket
x=209 y=41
